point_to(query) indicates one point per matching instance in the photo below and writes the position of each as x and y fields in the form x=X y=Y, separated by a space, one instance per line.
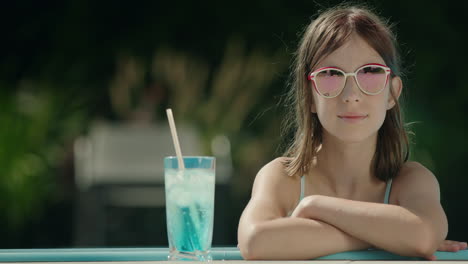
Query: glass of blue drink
x=189 y=207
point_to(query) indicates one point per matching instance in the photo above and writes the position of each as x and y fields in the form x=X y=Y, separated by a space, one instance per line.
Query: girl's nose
x=351 y=92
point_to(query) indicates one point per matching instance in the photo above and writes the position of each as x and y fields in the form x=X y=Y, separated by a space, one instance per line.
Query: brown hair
x=323 y=36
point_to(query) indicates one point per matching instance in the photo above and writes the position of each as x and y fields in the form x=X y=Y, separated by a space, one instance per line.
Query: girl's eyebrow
x=329 y=66
x=323 y=65
x=375 y=58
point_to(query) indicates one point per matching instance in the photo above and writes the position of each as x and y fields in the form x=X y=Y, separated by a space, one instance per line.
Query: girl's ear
x=396 y=86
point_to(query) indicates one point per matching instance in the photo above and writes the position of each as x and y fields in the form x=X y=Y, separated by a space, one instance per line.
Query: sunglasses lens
x=329 y=82
x=372 y=79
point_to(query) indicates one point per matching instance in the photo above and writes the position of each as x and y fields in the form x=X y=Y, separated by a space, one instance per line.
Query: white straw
x=175 y=138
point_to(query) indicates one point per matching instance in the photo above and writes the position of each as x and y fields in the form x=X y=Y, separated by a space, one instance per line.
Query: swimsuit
x=387 y=191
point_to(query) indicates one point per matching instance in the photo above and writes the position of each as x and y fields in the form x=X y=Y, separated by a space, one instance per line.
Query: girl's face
x=339 y=115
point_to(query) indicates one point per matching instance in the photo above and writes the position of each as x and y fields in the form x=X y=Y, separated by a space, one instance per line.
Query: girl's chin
x=353 y=138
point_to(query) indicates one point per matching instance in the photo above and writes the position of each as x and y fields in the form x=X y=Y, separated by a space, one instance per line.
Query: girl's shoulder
x=412 y=170
x=274 y=182
x=412 y=177
x=277 y=168
x=275 y=171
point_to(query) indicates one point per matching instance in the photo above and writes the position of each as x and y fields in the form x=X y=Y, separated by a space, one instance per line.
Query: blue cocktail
x=190 y=207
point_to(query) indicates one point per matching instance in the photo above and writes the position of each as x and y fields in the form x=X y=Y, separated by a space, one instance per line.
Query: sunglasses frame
x=312 y=75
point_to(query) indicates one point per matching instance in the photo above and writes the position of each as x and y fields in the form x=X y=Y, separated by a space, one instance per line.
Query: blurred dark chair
x=120 y=178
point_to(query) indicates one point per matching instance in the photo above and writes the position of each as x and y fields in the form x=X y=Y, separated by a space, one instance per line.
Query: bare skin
x=267 y=214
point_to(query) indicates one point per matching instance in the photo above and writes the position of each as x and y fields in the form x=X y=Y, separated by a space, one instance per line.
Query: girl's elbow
x=246 y=253
x=248 y=245
x=425 y=252
x=432 y=238
x=246 y=250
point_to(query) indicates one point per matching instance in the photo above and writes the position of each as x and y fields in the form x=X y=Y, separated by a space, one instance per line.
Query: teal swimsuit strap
x=387 y=191
x=302 y=188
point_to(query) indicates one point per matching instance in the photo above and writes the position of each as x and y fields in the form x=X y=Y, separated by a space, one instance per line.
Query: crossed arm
x=394 y=228
x=322 y=225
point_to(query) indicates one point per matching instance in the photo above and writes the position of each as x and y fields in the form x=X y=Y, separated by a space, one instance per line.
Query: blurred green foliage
x=35 y=125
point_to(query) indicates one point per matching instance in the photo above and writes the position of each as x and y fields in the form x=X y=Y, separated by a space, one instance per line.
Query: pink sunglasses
x=371 y=79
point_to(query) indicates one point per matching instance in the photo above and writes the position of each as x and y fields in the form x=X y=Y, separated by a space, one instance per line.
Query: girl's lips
x=352 y=119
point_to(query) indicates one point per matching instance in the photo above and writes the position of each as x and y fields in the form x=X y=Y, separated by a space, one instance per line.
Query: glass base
x=191 y=256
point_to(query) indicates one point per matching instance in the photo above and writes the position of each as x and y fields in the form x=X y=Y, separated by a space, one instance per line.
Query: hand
x=304 y=208
x=449 y=245
x=452 y=246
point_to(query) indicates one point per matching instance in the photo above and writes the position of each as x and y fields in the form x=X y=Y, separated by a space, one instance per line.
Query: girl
x=345 y=183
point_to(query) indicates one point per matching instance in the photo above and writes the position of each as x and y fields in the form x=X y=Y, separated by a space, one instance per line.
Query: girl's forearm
x=297 y=238
x=389 y=227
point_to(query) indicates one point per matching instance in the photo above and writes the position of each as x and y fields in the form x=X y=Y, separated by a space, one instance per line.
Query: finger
x=449 y=242
x=451 y=245
x=446 y=244
x=454 y=247
x=461 y=244
x=442 y=248
x=450 y=248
